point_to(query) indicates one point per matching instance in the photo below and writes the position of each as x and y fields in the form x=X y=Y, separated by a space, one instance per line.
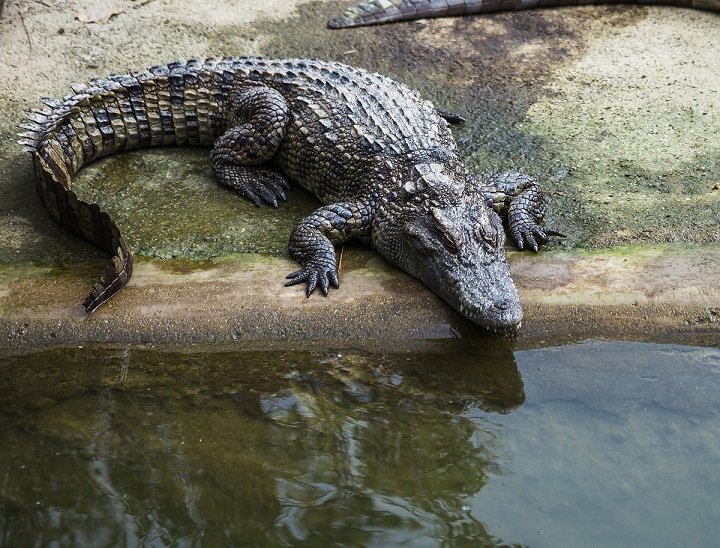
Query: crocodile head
x=458 y=250
x=459 y=253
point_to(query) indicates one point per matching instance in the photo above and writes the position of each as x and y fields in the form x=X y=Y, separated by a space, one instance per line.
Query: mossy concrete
x=613 y=108
x=642 y=293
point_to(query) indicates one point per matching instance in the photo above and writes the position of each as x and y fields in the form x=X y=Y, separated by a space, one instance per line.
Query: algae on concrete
x=642 y=147
x=169 y=206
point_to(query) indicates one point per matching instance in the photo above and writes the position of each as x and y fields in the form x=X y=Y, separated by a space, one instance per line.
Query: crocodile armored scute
x=381 y=158
x=387 y=11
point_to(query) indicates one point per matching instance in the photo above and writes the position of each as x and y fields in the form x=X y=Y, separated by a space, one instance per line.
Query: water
x=432 y=444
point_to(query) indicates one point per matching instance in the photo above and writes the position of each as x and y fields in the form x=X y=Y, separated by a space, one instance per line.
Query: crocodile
x=387 y=11
x=381 y=158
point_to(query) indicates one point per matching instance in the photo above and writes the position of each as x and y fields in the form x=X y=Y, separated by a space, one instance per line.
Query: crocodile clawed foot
x=533 y=236
x=322 y=273
x=267 y=186
x=525 y=212
x=256 y=184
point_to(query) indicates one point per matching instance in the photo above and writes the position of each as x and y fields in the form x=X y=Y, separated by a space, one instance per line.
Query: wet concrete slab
x=640 y=293
x=613 y=108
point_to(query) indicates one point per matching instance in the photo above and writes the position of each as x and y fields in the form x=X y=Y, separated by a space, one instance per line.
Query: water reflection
x=127 y=446
x=433 y=444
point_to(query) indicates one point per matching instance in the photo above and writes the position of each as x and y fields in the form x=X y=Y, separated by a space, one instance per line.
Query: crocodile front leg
x=313 y=241
x=259 y=117
x=519 y=198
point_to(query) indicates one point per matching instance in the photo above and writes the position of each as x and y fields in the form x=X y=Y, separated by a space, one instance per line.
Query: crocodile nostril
x=502 y=305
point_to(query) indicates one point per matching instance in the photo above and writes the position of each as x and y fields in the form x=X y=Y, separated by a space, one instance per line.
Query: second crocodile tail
x=376 y=12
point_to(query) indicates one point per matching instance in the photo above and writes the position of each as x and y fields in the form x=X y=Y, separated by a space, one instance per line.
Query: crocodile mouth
x=503 y=318
x=486 y=296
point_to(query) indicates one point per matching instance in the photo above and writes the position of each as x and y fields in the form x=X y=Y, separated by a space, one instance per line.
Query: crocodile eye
x=486 y=234
x=442 y=224
x=446 y=240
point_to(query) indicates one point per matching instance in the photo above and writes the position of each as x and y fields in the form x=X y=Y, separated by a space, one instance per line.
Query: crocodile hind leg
x=259 y=117
x=519 y=198
x=313 y=241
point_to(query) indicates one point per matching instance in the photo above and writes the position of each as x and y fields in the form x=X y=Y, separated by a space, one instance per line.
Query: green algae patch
x=640 y=143
x=46 y=290
x=168 y=205
x=182 y=267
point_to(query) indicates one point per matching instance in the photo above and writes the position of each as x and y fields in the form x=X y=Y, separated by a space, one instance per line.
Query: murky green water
x=595 y=444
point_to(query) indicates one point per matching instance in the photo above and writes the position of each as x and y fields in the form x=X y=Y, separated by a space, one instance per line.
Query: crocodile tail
x=172 y=104
x=53 y=168
x=376 y=12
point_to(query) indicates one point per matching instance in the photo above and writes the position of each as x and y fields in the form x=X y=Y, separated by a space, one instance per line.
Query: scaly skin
x=382 y=159
x=386 y=11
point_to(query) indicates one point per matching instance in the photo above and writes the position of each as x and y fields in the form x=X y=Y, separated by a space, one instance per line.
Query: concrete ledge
x=629 y=292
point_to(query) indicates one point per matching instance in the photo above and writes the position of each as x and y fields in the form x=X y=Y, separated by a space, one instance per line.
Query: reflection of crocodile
x=388 y=440
x=382 y=159
x=386 y=11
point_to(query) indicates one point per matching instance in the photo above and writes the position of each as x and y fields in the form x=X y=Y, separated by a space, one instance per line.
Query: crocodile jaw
x=459 y=252
x=484 y=294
